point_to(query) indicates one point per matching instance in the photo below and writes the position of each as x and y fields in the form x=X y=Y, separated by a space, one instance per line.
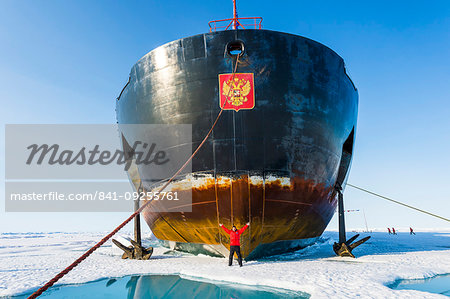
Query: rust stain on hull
x=275 y=210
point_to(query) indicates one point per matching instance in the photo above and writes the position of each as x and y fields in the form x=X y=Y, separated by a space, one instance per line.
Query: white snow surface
x=29 y=260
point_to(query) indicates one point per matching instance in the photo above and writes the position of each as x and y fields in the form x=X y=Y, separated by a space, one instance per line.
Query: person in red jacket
x=235 y=243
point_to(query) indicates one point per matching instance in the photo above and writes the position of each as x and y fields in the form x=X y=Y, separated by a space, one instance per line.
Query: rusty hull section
x=279 y=209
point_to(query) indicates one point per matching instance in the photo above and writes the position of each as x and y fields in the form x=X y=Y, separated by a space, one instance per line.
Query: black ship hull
x=275 y=165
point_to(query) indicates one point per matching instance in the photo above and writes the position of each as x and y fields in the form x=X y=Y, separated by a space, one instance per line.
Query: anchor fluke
x=345 y=248
x=136 y=251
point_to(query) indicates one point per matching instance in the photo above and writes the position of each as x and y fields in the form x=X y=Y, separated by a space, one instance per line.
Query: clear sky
x=66 y=61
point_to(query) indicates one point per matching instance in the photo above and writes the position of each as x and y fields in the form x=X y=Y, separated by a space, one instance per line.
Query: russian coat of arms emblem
x=236 y=92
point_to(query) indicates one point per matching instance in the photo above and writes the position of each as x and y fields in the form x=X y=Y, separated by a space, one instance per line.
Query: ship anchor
x=135 y=251
x=345 y=247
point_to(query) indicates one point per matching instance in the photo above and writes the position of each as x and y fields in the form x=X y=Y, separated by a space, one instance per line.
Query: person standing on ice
x=393 y=231
x=235 y=243
x=411 y=231
x=389 y=230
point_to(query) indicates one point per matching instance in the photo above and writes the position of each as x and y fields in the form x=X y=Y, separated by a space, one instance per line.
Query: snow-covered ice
x=28 y=260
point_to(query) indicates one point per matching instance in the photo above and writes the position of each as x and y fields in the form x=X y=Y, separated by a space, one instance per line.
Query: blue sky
x=66 y=62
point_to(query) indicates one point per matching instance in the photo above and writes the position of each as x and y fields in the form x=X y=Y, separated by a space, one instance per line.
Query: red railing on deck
x=235 y=23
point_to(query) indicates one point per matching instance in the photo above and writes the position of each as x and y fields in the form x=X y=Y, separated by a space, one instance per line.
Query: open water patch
x=164 y=286
x=439 y=284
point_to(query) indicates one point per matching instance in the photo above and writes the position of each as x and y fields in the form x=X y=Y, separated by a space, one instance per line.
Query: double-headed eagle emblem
x=236 y=91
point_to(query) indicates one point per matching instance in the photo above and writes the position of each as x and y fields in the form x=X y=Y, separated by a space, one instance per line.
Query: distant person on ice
x=389 y=230
x=393 y=231
x=411 y=231
x=235 y=243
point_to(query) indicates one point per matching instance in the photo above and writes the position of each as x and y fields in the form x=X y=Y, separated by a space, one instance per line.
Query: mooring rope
x=138 y=211
x=397 y=202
